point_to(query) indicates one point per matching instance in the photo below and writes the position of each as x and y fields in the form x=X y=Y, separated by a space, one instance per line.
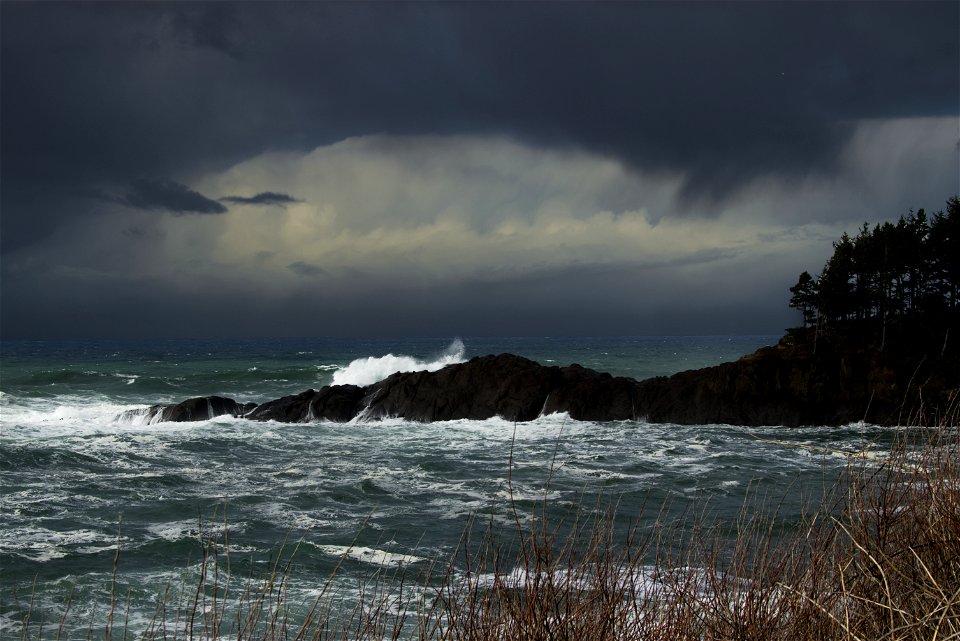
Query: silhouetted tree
x=804 y=298
x=892 y=270
x=836 y=301
x=943 y=257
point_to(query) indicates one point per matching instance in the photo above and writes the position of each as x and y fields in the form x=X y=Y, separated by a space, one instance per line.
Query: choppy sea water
x=78 y=483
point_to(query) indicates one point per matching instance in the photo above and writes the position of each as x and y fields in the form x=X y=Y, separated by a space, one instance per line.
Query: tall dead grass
x=876 y=559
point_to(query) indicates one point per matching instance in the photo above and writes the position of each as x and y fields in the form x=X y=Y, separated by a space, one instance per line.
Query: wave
x=370 y=555
x=366 y=371
x=39 y=544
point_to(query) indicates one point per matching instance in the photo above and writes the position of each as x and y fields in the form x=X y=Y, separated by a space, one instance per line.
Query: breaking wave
x=366 y=371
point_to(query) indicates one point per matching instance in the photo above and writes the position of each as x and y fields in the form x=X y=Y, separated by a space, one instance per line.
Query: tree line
x=890 y=271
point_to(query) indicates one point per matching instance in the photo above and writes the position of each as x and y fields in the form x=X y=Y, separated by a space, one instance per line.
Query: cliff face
x=790 y=384
x=806 y=379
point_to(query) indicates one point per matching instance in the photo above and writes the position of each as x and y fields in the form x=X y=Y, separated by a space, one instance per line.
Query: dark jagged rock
x=843 y=379
x=287 y=409
x=202 y=408
x=505 y=385
x=338 y=403
x=508 y=386
x=588 y=395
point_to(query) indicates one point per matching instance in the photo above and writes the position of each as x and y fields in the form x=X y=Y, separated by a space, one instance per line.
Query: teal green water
x=76 y=479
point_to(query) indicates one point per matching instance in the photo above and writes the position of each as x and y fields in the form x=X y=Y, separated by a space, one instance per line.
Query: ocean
x=98 y=505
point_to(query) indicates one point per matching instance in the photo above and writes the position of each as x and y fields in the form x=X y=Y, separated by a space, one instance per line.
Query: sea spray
x=366 y=371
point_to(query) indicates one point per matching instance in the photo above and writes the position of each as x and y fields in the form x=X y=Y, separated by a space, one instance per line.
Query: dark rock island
x=879 y=344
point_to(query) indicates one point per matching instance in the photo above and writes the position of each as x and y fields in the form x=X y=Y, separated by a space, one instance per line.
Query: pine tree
x=889 y=272
x=835 y=289
x=943 y=256
x=804 y=298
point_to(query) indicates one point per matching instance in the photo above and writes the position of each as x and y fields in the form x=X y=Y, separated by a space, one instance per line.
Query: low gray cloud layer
x=422 y=147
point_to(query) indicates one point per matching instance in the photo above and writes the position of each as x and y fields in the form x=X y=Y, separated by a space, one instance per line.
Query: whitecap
x=372 y=369
x=370 y=555
x=41 y=544
x=173 y=531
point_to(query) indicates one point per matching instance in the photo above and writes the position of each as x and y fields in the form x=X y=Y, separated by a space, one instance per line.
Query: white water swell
x=366 y=371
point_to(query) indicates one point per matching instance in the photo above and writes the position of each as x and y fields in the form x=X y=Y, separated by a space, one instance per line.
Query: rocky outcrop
x=338 y=403
x=810 y=380
x=512 y=387
x=508 y=386
x=202 y=408
x=805 y=379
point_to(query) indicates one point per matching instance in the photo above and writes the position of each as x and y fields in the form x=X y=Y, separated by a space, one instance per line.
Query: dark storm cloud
x=170 y=196
x=720 y=92
x=96 y=95
x=263 y=198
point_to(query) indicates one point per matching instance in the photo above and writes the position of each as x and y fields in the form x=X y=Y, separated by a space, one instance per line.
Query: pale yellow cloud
x=452 y=208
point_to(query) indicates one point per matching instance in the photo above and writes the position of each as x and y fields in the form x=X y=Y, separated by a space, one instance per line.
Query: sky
x=455 y=169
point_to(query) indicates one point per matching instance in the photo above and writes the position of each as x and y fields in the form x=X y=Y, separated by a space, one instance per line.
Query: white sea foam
x=41 y=544
x=366 y=371
x=641 y=581
x=370 y=555
x=64 y=412
x=193 y=529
